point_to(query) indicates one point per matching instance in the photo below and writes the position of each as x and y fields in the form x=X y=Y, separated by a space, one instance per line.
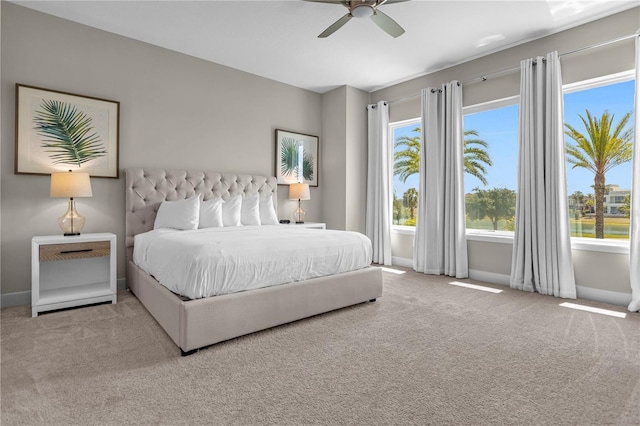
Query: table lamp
x=299 y=191
x=70 y=185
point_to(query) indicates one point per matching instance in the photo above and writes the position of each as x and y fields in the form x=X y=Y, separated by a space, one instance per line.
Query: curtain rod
x=485 y=77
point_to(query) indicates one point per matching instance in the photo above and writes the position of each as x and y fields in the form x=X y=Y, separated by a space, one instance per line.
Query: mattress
x=215 y=261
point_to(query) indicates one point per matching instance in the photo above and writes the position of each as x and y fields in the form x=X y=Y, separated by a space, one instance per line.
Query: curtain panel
x=440 y=241
x=634 y=234
x=379 y=183
x=542 y=258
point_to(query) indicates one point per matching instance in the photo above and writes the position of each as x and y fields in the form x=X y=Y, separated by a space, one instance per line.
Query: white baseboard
x=587 y=293
x=402 y=261
x=613 y=297
x=606 y=296
x=23 y=298
x=20 y=298
x=490 y=277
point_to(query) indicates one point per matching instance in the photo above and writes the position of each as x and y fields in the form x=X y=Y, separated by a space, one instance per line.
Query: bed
x=196 y=323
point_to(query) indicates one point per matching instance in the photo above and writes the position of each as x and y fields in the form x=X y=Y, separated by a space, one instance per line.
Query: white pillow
x=181 y=214
x=250 y=212
x=231 y=211
x=211 y=213
x=268 y=214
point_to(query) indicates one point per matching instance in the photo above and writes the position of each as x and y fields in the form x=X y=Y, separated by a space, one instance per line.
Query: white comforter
x=215 y=261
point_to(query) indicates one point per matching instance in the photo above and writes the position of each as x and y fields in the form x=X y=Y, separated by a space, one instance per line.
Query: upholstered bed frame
x=193 y=324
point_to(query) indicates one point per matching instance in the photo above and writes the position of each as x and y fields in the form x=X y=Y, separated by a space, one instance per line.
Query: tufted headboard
x=146 y=189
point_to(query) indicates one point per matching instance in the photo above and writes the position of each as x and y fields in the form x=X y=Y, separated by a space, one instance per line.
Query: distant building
x=614 y=199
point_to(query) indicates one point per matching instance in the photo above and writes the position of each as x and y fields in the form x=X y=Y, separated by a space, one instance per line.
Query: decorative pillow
x=250 y=212
x=231 y=211
x=268 y=214
x=181 y=214
x=211 y=213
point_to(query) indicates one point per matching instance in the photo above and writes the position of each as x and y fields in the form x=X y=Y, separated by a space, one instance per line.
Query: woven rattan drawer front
x=51 y=252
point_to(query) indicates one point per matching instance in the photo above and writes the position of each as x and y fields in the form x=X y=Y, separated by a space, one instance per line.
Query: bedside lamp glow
x=70 y=185
x=299 y=191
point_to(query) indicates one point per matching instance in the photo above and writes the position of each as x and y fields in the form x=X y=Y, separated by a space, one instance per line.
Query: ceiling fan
x=364 y=9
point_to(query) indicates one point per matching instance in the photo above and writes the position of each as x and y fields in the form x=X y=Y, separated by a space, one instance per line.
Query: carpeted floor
x=426 y=353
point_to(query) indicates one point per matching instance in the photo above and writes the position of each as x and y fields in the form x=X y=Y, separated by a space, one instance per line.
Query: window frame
x=507 y=237
x=610 y=245
x=400 y=229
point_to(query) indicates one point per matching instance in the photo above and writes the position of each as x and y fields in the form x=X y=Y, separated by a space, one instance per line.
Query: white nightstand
x=72 y=271
x=311 y=225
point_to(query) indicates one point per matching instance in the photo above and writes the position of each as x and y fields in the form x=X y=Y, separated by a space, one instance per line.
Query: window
x=490 y=163
x=406 y=168
x=491 y=159
x=599 y=184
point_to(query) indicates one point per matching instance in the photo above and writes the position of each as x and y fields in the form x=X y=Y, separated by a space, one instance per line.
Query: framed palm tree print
x=296 y=158
x=59 y=131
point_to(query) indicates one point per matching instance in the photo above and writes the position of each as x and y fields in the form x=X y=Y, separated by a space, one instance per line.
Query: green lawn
x=614 y=227
x=584 y=227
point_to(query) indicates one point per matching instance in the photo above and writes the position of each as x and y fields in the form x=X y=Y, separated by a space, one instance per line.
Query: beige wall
x=333 y=156
x=356 y=159
x=344 y=126
x=577 y=67
x=176 y=111
x=594 y=270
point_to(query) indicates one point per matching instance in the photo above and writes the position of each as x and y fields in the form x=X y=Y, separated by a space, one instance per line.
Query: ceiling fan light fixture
x=362 y=11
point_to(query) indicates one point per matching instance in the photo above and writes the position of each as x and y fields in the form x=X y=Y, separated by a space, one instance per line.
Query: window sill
x=405 y=230
x=608 y=246
x=505 y=237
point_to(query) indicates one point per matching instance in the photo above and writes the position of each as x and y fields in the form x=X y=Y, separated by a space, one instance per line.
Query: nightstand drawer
x=53 y=252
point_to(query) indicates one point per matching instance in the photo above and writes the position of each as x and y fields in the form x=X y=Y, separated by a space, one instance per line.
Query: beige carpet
x=426 y=353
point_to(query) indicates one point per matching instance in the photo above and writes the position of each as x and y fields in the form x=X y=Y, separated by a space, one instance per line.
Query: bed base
x=194 y=324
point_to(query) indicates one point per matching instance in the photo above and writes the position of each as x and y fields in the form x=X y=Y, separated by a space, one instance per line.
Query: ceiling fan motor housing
x=362 y=10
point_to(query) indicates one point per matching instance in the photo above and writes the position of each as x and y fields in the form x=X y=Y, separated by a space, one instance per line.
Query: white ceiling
x=278 y=39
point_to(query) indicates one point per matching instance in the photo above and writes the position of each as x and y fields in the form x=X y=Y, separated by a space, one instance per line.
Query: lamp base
x=299 y=215
x=71 y=222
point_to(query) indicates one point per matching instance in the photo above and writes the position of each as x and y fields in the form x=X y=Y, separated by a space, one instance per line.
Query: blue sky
x=500 y=129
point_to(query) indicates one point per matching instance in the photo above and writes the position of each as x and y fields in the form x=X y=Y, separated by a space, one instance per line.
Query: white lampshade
x=299 y=191
x=70 y=185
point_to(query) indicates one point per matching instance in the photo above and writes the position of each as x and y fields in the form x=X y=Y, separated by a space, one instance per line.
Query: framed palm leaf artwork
x=58 y=131
x=296 y=158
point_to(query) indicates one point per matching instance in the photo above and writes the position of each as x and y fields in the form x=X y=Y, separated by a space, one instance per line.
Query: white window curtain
x=634 y=235
x=379 y=183
x=542 y=242
x=441 y=242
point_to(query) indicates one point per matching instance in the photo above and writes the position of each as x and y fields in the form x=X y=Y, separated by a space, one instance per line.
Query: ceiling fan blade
x=335 y=26
x=387 y=24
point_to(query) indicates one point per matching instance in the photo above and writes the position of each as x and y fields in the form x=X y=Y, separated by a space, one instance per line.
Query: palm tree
x=578 y=200
x=407 y=161
x=603 y=146
x=588 y=204
x=476 y=156
x=410 y=201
